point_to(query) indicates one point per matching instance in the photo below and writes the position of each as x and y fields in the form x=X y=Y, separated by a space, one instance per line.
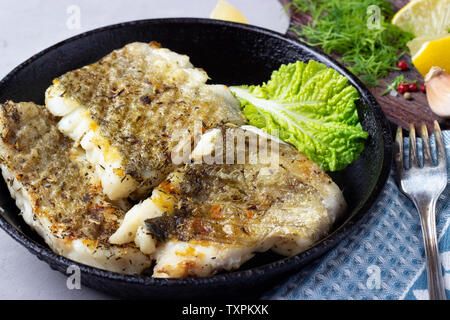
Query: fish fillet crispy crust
x=57 y=192
x=209 y=217
x=127 y=108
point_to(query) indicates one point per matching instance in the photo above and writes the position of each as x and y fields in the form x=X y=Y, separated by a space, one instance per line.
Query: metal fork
x=423 y=186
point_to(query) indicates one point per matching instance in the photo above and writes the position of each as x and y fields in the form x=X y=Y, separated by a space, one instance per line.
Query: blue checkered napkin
x=383 y=258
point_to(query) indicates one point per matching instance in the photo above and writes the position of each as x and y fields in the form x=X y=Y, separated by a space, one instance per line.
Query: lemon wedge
x=424 y=17
x=225 y=11
x=417 y=43
x=432 y=53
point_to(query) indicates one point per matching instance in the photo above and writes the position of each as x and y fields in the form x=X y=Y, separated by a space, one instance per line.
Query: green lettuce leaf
x=312 y=107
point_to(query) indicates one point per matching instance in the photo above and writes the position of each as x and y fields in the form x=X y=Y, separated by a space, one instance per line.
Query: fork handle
x=434 y=270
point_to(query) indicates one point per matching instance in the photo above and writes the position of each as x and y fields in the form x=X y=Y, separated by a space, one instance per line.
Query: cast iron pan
x=232 y=54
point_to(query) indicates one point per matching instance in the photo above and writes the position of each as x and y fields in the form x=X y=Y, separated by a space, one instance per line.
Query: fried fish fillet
x=214 y=216
x=127 y=109
x=57 y=191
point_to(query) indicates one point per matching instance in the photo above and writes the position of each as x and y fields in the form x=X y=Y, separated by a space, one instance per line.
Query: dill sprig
x=393 y=85
x=340 y=27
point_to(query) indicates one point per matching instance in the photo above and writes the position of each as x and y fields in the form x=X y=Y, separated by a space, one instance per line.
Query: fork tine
x=440 y=150
x=398 y=149
x=426 y=151
x=413 y=161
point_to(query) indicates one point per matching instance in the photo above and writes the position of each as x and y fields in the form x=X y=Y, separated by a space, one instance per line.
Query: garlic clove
x=437 y=83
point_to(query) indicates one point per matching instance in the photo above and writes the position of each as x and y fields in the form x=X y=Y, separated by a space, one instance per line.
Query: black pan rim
x=280 y=266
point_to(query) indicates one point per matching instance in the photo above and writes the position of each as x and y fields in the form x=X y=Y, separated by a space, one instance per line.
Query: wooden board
x=398 y=110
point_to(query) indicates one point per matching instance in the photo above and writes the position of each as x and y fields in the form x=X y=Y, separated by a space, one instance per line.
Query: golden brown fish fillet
x=128 y=109
x=209 y=217
x=57 y=192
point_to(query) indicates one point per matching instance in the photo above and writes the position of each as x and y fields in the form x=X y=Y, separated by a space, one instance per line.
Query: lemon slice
x=433 y=53
x=225 y=11
x=424 y=17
